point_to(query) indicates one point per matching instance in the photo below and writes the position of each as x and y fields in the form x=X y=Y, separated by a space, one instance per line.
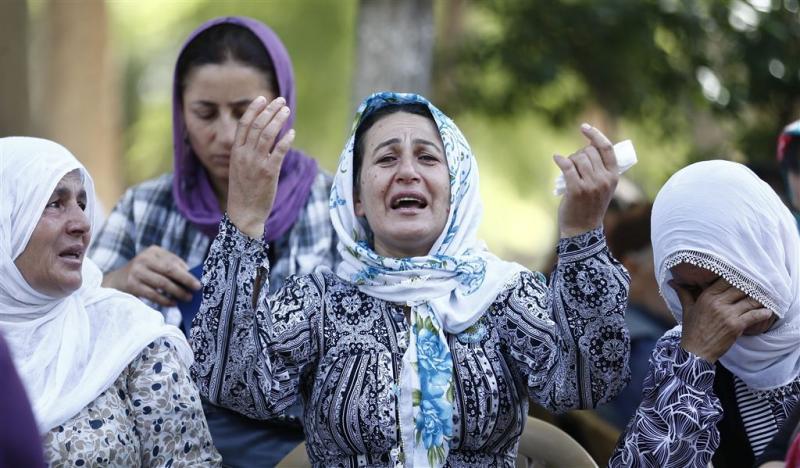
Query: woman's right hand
x=155 y=274
x=256 y=164
x=713 y=321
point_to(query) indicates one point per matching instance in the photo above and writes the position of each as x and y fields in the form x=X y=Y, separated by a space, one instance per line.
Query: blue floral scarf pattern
x=448 y=290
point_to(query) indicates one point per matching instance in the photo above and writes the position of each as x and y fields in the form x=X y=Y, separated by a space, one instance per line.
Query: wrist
x=248 y=224
x=572 y=231
x=699 y=352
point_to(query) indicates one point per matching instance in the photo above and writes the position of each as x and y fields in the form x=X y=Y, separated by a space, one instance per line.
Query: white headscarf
x=720 y=216
x=66 y=350
x=448 y=290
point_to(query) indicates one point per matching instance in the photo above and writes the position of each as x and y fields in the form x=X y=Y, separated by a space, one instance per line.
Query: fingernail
x=260 y=100
x=291 y=133
x=586 y=126
x=284 y=110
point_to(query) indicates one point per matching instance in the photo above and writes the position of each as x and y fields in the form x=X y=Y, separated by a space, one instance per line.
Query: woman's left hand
x=591 y=176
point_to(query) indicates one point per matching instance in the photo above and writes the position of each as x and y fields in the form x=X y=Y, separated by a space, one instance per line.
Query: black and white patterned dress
x=565 y=347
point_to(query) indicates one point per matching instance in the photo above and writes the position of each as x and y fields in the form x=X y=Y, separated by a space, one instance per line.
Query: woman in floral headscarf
x=423 y=347
x=727 y=260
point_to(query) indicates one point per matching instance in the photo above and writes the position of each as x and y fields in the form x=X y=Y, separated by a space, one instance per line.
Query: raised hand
x=591 y=176
x=155 y=274
x=719 y=315
x=256 y=164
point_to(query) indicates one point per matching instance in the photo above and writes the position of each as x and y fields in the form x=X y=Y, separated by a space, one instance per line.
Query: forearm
x=223 y=336
x=589 y=295
x=250 y=348
x=676 y=423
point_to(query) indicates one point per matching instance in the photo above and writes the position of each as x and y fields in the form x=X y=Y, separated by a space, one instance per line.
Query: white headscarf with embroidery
x=720 y=216
x=448 y=290
x=67 y=350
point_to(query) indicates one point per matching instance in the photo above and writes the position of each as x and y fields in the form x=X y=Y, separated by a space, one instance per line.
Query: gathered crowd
x=249 y=301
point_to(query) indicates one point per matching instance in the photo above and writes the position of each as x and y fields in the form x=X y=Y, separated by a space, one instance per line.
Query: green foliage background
x=519 y=77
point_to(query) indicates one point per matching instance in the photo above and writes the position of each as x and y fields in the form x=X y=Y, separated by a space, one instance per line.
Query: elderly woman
x=107 y=379
x=727 y=260
x=423 y=348
x=161 y=230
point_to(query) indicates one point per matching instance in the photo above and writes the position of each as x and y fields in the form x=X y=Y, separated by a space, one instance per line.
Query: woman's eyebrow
x=389 y=142
x=422 y=141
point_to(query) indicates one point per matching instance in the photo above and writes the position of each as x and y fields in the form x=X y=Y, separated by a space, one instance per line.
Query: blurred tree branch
x=662 y=61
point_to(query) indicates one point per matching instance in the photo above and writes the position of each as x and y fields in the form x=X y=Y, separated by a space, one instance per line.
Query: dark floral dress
x=565 y=347
x=151 y=416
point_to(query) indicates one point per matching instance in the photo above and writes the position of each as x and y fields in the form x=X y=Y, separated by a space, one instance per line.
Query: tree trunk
x=78 y=103
x=14 y=93
x=395 y=47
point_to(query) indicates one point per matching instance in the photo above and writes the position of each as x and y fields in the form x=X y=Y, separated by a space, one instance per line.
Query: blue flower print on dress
x=448 y=289
x=435 y=362
x=433 y=402
x=434 y=425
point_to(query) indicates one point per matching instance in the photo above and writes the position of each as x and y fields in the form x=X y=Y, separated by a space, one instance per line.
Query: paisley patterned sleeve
x=676 y=423
x=250 y=353
x=167 y=411
x=569 y=342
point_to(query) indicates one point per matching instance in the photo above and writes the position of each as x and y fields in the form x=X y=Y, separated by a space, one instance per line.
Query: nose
x=227 y=130
x=78 y=223
x=407 y=170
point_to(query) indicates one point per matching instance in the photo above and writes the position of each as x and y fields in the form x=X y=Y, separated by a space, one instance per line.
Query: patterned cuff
x=576 y=248
x=692 y=369
x=235 y=243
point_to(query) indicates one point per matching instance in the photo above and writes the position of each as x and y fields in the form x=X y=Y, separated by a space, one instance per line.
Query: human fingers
x=752 y=317
x=595 y=159
x=583 y=165
x=266 y=140
x=567 y=166
x=684 y=296
x=261 y=123
x=719 y=286
x=155 y=254
x=243 y=127
x=173 y=267
x=281 y=148
x=164 y=285
x=144 y=291
x=603 y=145
x=746 y=303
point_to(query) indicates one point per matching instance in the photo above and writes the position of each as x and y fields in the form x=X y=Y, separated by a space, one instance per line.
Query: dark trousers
x=248 y=443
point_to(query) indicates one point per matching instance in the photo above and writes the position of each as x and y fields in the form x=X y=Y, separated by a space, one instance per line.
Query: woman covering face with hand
x=423 y=347
x=107 y=379
x=727 y=259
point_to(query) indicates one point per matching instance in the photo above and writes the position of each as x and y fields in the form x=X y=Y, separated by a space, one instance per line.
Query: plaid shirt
x=147 y=215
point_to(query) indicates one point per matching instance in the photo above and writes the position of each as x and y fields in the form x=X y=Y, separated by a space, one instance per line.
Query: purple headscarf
x=191 y=186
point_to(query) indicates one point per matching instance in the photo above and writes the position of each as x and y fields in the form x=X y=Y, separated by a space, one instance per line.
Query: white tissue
x=626 y=158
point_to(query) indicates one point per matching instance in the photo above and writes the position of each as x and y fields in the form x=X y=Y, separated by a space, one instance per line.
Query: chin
x=70 y=285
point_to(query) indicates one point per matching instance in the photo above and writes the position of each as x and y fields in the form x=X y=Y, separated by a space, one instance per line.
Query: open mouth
x=408 y=201
x=72 y=253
